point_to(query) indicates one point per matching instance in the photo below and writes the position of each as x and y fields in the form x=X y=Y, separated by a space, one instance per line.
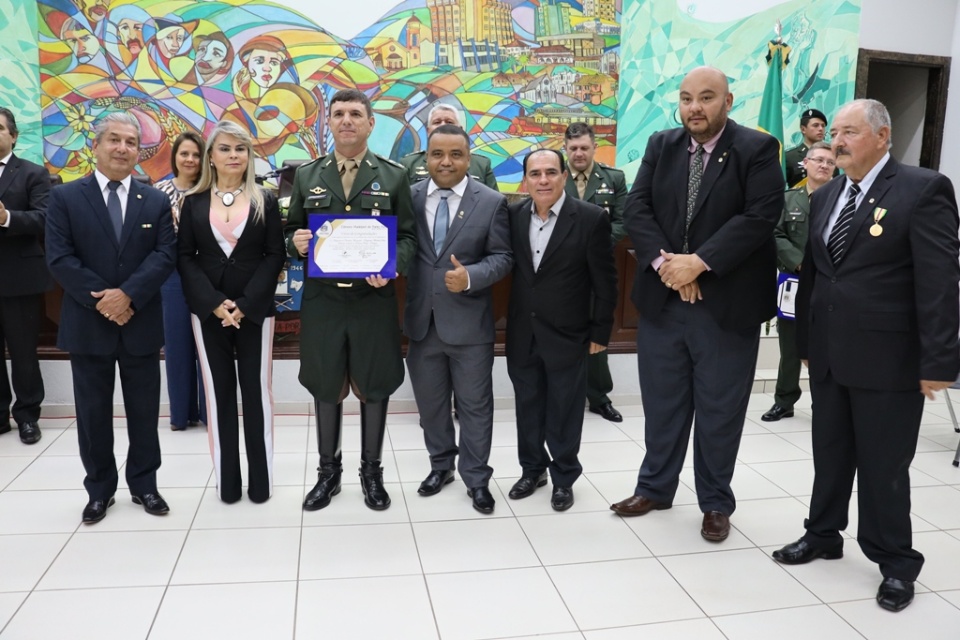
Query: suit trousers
x=692 y=369
x=788 y=375
x=436 y=369
x=20 y=320
x=599 y=380
x=184 y=388
x=549 y=410
x=94 y=377
x=252 y=345
x=872 y=434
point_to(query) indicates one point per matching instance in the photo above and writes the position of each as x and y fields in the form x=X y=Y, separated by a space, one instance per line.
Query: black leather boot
x=329 y=421
x=373 y=425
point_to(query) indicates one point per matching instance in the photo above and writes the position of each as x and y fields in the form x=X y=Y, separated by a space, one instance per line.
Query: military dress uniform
x=795 y=171
x=480 y=168
x=350 y=331
x=606 y=187
x=791 y=236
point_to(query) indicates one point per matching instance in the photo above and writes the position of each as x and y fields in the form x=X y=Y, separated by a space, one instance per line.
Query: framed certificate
x=349 y=246
x=787 y=295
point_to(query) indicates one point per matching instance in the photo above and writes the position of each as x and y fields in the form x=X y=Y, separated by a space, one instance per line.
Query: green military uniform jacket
x=380 y=188
x=606 y=188
x=480 y=168
x=795 y=171
x=792 y=230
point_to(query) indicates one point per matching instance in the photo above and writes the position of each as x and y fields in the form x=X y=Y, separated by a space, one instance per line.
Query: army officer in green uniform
x=791 y=236
x=349 y=329
x=813 y=127
x=416 y=163
x=605 y=187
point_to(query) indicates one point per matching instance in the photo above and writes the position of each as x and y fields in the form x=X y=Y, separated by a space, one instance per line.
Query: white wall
x=916 y=26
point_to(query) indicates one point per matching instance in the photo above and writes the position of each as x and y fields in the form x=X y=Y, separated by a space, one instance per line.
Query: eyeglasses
x=826 y=161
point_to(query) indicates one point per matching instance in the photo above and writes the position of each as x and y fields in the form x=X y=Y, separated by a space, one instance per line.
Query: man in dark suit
x=415 y=163
x=606 y=187
x=463 y=248
x=110 y=245
x=23 y=279
x=562 y=297
x=701 y=215
x=877 y=323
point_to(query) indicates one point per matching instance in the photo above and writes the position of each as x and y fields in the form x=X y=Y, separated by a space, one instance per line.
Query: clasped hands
x=114 y=305
x=679 y=271
x=229 y=314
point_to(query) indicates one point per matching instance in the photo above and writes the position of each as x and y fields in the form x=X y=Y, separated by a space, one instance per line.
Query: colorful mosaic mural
x=520 y=69
x=665 y=39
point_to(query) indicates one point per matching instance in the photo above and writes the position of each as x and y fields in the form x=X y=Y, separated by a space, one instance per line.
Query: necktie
x=693 y=188
x=114 y=208
x=837 y=241
x=441 y=221
x=347 y=173
x=581 y=184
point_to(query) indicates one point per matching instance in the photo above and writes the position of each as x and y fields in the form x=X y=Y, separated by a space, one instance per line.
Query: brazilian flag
x=771 y=107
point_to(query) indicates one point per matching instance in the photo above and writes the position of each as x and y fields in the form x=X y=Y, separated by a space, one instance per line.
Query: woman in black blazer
x=231 y=251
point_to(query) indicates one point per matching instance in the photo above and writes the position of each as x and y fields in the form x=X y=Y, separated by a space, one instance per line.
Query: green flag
x=771 y=107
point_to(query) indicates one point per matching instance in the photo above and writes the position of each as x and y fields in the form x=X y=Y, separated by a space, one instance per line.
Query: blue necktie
x=441 y=221
x=114 y=208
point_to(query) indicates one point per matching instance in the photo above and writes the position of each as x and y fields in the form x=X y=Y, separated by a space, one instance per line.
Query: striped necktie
x=837 y=241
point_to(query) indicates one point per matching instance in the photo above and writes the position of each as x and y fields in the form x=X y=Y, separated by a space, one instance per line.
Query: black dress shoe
x=96 y=510
x=562 y=498
x=153 y=503
x=435 y=481
x=802 y=552
x=375 y=494
x=328 y=485
x=895 y=595
x=607 y=412
x=482 y=499
x=776 y=412
x=526 y=485
x=5 y=426
x=29 y=433
x=178 y=427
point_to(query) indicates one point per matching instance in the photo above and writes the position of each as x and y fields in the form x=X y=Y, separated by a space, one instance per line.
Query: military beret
x=812 y=113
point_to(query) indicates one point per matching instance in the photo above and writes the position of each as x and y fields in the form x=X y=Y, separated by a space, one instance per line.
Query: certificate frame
x=325 y=227
x=787 y=284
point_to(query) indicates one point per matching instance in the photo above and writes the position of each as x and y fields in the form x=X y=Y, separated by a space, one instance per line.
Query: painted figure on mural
x=124 y=36
x=213 y=58
x=93 y=10
x=80 y=39
x=168 y=40
x=264 y=58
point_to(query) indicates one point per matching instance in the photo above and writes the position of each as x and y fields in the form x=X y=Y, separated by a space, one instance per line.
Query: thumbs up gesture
x=456 y=279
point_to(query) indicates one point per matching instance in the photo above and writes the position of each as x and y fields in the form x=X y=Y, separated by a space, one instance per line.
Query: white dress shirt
x=540 y=230
x=865 y=185
x=453 y=206
x=122 y=191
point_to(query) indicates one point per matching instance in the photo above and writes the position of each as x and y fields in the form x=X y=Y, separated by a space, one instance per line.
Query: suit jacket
x=24 y=187
x=553 y=304
x=480 y=238
x=84 y=256
x=480 y=169
x=737 y=207
x=248 y=276
x=606 y=188
x=887 y=316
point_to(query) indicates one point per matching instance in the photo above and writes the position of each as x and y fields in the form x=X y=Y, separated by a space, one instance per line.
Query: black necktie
x=114 y=208
x=837 y=241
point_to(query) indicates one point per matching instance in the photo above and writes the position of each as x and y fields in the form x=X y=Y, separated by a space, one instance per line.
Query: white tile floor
x=432 y=568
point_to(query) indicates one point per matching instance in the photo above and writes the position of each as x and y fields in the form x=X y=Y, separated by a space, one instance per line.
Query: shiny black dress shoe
x=96 y=510
x=5 y=426
x=776 y=412
x=435 y=481
x=526 y=485
x=328 y=485
x=895 y=595
x=178 y=427
x=802 y=552
x=562 y=498
x=153 y=503
x=375 y=494
x=607 y=412
x=482 y=499
x=29 y=433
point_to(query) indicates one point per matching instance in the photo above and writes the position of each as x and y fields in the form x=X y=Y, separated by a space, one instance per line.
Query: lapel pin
x=871 y=200
x=460 y=215
x=317 y=191
x=375 y=186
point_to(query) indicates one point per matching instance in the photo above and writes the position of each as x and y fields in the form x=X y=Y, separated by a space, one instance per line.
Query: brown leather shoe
x=637 y=506
x=716 y=526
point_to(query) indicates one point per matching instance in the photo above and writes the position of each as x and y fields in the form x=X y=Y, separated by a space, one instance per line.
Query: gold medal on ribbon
x=875 y=230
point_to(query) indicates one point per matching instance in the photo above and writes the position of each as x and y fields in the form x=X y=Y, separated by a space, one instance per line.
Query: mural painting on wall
x=521 y=70
x=663 y=40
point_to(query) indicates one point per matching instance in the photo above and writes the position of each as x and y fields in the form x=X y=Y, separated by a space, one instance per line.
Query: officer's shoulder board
x=390 y=162
x=312 y=162
x=609 y=168
x=412 y=154
x=797 y=189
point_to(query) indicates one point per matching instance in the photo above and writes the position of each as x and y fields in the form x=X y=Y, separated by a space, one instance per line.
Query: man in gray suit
x=463 y=248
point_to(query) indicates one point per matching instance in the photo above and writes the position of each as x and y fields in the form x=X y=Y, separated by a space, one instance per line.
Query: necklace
x=227 y=198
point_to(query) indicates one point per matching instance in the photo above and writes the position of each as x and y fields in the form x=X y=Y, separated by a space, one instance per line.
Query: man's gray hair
x=116 y=117
x=876 y=115
x=443 y=106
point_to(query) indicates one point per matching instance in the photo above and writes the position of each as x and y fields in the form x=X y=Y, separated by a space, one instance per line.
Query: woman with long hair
x=187 y=402
x=231 y=251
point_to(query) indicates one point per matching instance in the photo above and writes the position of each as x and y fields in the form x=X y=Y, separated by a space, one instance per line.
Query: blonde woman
x=231 y=251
